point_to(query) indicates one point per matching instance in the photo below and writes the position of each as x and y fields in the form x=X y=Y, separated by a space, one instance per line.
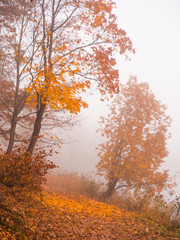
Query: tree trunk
x=12 y=133
x=37 y=128
x=110 y=190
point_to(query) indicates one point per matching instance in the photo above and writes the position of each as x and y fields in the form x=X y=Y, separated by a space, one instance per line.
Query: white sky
x=154 y=28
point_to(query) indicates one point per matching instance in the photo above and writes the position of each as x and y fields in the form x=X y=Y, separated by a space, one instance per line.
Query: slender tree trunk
x=110 y=190
x=37 y=128
x=12 y=133
x=18 y=107
x=15 y=114
x=47 y=67
x=16 y=97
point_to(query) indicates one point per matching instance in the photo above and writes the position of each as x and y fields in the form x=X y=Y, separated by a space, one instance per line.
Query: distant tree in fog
x=136 y=133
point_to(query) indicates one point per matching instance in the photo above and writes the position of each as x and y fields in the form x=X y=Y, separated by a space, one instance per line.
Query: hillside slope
x=59 y=216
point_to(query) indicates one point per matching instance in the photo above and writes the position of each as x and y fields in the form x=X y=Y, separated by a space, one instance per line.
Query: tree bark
x=37 y=128
x=16 y=97
x=12 y=133
x=110 y=190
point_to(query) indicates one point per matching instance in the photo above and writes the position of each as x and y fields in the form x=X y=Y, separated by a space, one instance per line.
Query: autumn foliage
x=55 y=51
x=22 y=172
x=71 y=216
x=136 y=133
x=52 y=51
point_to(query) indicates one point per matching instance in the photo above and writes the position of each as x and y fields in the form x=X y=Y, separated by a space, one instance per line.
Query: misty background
x=154 y=28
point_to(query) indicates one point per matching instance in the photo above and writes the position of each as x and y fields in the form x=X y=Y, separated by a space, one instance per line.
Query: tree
x=17 y=52
x=72 y=45
x=70 y=62
x=136 y=132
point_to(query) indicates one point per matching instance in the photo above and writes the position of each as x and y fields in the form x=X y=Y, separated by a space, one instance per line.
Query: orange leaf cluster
x=75 y=61
x=137 y=133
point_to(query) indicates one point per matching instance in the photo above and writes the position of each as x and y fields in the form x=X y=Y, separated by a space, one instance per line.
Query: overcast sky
x=154 y=28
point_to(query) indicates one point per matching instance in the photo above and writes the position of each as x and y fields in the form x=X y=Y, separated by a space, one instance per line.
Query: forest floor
x=70 y=216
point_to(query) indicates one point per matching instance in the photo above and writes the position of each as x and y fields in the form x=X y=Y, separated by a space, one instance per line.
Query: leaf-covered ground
x=53 y=216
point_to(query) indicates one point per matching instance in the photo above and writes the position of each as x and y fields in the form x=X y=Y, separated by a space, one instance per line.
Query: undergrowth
x=55 y=216
x=65 y=210
x=158 y=211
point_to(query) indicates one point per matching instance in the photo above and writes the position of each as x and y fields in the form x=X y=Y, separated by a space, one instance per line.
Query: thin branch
x=65 y=20
x=23 y=140
x=6 y=106
x=27 y=115
x=82 y=47
x=23 y=126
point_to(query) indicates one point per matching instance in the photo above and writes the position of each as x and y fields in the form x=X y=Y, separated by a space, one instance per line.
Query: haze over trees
x=56 y=50
x=52 y=52
x=136 y=133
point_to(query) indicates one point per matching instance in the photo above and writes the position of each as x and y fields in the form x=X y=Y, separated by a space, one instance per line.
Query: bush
x=156 y=209
x=19 y=170
x=74 y=183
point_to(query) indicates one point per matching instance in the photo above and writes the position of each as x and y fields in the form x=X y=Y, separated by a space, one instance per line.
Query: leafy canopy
x=74 y=48
x=136 y=133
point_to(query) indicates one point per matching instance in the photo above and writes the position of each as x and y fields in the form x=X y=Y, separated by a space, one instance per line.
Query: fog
x=154 y=28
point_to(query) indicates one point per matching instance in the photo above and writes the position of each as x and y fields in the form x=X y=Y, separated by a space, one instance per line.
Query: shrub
x=74 y=183
x=157 y=209
x=20 y=170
